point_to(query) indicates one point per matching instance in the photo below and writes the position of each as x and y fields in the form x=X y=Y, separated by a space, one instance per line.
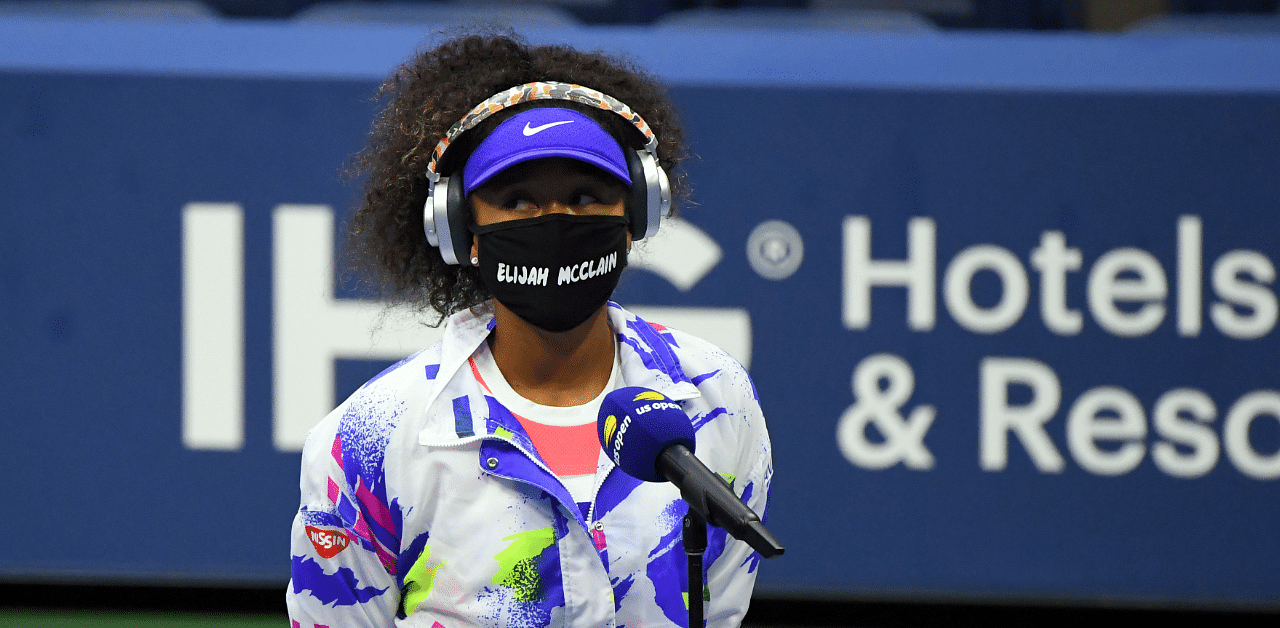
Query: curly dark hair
x=422 y=100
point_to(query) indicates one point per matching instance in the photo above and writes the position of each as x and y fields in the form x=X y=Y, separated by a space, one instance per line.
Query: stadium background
x=166 y=158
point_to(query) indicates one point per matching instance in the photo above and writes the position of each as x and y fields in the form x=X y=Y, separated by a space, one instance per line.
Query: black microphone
x=650 y=438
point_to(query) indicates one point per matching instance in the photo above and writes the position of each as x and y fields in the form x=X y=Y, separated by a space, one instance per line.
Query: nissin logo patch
x=327 y=542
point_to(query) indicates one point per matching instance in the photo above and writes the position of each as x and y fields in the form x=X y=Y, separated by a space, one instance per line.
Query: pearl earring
x=475 y=261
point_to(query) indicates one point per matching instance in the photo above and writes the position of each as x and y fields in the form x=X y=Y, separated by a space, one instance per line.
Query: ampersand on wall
x=903 y=438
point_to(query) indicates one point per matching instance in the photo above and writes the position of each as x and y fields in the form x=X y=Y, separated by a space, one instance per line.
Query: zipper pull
x=597 y=535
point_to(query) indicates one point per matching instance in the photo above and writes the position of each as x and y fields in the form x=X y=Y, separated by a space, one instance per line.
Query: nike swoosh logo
x=528 y=130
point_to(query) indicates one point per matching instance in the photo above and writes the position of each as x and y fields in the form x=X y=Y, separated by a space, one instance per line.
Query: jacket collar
x=646 y=354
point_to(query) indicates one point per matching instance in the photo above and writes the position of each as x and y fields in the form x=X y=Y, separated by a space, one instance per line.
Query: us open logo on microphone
x=661 y=405
x=660 y=402
x=610 y=426
x=616 y=448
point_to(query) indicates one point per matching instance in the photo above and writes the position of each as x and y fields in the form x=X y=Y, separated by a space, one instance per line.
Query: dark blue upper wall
x=682 y=57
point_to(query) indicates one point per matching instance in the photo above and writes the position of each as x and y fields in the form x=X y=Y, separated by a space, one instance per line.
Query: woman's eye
x=521 y=204
x=586 y=199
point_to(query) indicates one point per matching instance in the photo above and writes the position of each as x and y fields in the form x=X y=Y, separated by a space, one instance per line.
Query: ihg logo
x=311 y=328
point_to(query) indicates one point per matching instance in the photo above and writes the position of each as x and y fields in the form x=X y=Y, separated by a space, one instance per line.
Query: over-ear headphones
x=445 y=216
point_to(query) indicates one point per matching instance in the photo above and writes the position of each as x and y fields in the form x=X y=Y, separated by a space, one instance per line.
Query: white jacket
x=424 y=503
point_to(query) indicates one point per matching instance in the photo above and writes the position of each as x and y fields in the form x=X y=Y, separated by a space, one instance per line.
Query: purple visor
x=544 y=132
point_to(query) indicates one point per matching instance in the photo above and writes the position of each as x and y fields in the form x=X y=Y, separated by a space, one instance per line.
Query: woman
x=465 y=485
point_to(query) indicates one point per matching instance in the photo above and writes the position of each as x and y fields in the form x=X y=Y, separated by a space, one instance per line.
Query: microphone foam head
x=636 y=424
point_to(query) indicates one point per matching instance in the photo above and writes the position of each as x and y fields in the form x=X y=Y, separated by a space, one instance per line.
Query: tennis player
x=465 y=486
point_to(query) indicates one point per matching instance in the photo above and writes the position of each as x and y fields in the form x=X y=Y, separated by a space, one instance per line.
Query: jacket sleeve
x=731 y=575
x=341 y=575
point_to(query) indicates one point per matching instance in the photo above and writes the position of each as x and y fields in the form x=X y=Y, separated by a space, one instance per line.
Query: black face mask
x=553 y=271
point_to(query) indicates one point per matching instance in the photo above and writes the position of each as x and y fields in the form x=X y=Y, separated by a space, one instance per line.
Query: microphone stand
x=720 y=508
x=695 y=543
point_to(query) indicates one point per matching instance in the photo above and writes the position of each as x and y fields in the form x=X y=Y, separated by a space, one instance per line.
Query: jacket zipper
x=471 y=439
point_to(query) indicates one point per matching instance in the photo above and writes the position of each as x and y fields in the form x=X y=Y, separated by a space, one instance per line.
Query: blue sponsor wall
x=1064 y=389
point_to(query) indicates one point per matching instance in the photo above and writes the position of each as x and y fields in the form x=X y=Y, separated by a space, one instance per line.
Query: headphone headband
x=445 y=216
x=539 y=90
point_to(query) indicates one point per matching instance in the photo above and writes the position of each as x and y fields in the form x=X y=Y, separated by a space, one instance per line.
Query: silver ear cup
x=429 y=219
x=664 y=193
x=657 y=194
x=438 y=207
